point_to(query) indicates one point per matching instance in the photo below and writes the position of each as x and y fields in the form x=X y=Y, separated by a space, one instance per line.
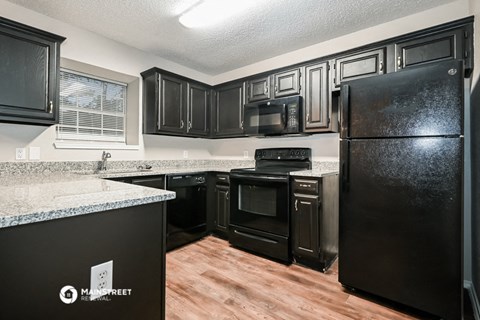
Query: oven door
x=260 y=202
x=265 y=119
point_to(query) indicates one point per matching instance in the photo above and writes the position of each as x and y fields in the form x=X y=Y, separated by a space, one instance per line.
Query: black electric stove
x=259 y=207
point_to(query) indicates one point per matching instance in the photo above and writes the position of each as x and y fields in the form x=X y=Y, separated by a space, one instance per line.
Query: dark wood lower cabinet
x=221 y=205
x=39 y=259
x=315 y=221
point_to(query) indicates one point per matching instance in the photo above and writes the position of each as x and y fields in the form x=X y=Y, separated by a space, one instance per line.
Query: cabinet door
x=287 y=83
x=222 y=207
x=305 y=225
x=259 y=89
x=317 y=102
x=229 y=110
x=443 y=46
x=28 y=75
x=172 y=104
x=198 y=107
x=360 y=65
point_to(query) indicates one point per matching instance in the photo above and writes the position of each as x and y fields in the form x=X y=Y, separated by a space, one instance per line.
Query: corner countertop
x=33 y=198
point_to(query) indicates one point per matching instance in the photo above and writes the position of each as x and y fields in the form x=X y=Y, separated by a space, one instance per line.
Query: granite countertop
x=58 y=190
x=160 y=171
x=318 y=173
x=33 y=198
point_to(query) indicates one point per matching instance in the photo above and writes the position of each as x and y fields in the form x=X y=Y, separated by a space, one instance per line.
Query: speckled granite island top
x=33 y=198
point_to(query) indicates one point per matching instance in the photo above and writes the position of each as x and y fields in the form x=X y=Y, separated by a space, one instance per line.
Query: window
x=91 y=109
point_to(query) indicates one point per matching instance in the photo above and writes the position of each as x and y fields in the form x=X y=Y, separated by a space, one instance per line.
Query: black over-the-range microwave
x=274 y=117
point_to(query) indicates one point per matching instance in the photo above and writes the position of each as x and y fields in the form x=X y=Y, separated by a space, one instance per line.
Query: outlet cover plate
x=20 y=153
x=101 y=279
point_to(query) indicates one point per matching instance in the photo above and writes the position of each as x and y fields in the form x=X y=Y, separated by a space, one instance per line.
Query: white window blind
x=91 y=109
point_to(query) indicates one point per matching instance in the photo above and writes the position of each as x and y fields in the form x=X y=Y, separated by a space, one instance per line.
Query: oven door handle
x=259 y=177
x=254 y=237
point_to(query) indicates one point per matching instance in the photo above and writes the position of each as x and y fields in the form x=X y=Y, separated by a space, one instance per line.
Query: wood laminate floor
x=211 y=280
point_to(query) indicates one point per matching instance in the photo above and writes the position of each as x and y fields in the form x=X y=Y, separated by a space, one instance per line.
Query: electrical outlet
x=21 y=154
x=185 y=154
x=245 y=154
x=101 y=279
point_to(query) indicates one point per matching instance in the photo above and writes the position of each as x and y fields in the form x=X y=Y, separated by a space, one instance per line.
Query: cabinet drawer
x=306 y=186
x=223 y=179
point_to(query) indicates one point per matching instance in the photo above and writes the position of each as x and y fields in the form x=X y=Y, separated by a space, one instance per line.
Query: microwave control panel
x=293 y=117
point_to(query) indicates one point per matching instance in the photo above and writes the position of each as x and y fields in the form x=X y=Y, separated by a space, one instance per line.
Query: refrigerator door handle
x=345 y=174
x=344 y=101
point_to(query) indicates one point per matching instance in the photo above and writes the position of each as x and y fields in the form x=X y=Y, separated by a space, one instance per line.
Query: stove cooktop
x=268 y=170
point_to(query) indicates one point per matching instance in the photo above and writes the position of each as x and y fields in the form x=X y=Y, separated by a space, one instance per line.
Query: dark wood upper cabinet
x=258 y=89
x=172 y=104
x=286 y=83
x=359 y=65
x=229 y=103
x=198 y=103
x=175 y=105
x=317 y=105
x=29 y=74
x=441 y=46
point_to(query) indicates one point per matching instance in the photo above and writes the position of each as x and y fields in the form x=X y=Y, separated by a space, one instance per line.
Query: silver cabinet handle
x=308 y=117
x=266 y=90
x=276 y=89
x=399 y=62
x=189 y=124
x=241 y=124
x=182 y=124
x=226 y=195
x=296 y=204
x=50 y=107
x=381 y=66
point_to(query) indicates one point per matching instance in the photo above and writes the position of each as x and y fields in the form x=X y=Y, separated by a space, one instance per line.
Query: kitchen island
x=54 y=228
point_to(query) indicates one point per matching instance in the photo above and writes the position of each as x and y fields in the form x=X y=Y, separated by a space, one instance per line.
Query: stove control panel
x=283 y=154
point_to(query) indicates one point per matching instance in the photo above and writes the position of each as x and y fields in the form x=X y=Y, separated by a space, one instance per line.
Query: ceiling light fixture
x=210 y=12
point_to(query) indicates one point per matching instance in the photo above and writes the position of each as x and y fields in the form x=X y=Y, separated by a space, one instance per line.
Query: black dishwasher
x=186 y=214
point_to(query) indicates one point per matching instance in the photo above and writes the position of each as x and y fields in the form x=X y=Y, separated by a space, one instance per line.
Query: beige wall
x=90 y=48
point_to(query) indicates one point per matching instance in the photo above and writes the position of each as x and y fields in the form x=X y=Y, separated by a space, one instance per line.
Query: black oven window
x=262 y=120
x=257 y=200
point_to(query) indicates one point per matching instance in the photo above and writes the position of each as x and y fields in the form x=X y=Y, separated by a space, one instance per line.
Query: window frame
x=132 y=110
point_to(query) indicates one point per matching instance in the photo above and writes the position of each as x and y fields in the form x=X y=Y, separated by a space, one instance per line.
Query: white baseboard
x=467 y=284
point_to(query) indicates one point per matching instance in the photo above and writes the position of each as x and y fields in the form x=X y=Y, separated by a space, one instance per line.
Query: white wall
x=324 y=146
x=90 y=48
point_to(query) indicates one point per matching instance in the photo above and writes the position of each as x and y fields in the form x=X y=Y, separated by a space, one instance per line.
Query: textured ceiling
x=272 y=28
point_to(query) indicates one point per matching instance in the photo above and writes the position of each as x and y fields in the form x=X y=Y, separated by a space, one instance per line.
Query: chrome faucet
x=105 y=156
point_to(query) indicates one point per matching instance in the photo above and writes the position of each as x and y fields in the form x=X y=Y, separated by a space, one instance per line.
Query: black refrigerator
x=401 y=218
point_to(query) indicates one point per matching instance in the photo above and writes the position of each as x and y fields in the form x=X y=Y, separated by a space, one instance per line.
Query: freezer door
x=401 y=221
x=423 y=101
